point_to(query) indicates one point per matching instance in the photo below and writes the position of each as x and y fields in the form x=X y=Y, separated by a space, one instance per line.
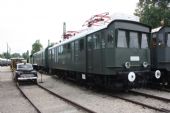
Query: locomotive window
x=61 y=48
x=96 y=41
x=76 y=51
x=134 y=43
x=68 y=47
x=144 y=41
x=110 y=40
x=72 y=51
x=81 y=44
x=89 y=42
x=76 y=45
x=121 y=41
x=168 y=40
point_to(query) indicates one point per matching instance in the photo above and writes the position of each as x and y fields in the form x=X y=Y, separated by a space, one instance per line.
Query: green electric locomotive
x=115 y=55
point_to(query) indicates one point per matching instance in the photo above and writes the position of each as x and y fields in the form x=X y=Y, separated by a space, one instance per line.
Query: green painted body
x=104 y=60
x=160 y=53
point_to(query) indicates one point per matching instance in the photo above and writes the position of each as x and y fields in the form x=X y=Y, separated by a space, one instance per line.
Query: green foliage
x=15 y=55
x=37 y=46
x=25 y=55
x=6 y=55
x=2 y=56
x=154 y=13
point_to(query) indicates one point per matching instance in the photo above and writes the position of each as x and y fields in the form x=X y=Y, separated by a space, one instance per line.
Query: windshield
x=144 y=43
x=121 y=41
x=134 y=43
x=24 y=67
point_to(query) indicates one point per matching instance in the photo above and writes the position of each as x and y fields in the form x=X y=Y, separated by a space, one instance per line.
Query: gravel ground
x=158 y=93
x=148 y=101
x=92 y=100
x=46 y=102
x=11 y=100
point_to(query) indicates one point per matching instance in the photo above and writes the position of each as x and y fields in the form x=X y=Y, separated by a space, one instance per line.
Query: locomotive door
x=89 y=53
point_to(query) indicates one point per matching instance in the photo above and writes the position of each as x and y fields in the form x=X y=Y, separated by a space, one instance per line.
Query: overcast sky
x=22 y=22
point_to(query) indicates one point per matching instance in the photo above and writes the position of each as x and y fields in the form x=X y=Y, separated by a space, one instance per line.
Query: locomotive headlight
x=157 y=74
x=131 y=77
x=127 y=65
x=145 y=64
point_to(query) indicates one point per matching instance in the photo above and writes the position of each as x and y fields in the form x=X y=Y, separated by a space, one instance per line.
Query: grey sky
x=24 y=21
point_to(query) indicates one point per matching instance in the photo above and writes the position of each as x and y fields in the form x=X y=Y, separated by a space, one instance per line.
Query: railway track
x=74 y=104
x=149 y=95
x=129 y=97
x=38 y=111
x=67 y=100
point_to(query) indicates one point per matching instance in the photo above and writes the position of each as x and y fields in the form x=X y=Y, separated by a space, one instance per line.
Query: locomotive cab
x=128 y=59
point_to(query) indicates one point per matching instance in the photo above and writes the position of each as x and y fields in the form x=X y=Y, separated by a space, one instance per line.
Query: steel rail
x=27 y=98
x=149 y=95
x=165 y=89
x=67 y=100
x=141 y=104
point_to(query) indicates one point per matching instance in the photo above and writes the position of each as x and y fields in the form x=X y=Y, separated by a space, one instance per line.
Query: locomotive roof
x=157 y=29
x=39 y=51
x=94 y=29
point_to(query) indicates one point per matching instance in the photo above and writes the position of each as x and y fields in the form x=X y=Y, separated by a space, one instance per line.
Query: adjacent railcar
x=160 y=52
x=116 y=55
x=40 y=60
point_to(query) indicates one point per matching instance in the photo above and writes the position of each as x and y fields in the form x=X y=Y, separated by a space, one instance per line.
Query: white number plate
x=134 y=58
x=83 y=76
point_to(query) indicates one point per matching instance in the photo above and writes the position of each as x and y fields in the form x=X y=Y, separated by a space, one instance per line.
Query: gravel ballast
x=11 y=100
x=90 y=99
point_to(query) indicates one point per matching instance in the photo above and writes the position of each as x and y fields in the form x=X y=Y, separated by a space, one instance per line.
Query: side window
x=144 y=41
x=121 y=39
x=153 y=41
x=96 y=41
x=161 y=40
x=89 y=42
x=110 y=39
x=68 y=47
x=57 y=54
x=81 y=44
x=53 y=54
x=76 y=51
x=76 y=45
x=72 y=51
x=134 y=42
x=61 y=49
x=168 y=40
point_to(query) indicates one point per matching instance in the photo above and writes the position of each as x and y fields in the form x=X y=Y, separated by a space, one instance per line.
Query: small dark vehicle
x=25 y=72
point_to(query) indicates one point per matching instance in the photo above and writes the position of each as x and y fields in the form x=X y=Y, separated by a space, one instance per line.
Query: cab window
x=168 y=40
x=144 y=41
x=134 y=43
x=121 y=39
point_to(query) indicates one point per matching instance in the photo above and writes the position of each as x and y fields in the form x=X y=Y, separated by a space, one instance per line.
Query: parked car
x=25 y=72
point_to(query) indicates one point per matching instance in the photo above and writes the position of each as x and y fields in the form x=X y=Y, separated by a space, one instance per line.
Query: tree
x=25 y=55
x=37 y=46
x=154 y=12
x=2 y=56
x=15 y=55
x=6 y=55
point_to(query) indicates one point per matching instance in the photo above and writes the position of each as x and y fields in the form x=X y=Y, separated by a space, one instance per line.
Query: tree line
x=154 y=13
x=37 y=46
